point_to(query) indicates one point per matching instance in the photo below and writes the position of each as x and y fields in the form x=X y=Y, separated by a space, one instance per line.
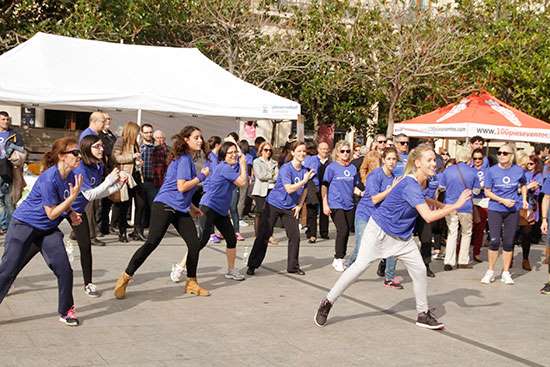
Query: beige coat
x=125 y=162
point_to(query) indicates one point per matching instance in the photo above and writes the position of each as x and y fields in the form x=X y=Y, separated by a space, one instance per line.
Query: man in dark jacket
x=10 y=140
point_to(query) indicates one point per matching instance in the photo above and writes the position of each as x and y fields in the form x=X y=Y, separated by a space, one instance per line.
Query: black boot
x=122 y=236
x=429 y=272
x=381 y=268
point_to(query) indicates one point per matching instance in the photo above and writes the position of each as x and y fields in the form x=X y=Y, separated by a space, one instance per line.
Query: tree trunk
x=389 y=130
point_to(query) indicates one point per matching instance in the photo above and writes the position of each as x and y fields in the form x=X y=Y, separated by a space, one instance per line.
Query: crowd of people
x=385 y=194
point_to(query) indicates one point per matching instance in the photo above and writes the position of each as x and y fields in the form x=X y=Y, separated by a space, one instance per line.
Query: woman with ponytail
x=389 y=233
x=36 y=220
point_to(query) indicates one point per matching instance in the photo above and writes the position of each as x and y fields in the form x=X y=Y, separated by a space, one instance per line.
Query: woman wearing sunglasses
x=91 y=169
x=502 y=184
x=285 y=202
x=173 y=205
x=389 y=232
x=36 y=222
x=265 y=172
x=339 y=184
x=230 y=173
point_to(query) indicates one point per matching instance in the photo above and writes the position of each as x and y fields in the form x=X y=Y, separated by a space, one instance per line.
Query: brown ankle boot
x=192 y=287
x=526 y=265
x=547 y=255
x=120 y=286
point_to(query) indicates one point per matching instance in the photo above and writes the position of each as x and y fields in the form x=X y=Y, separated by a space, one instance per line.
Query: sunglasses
x=267 y=150
x=477 y=158
x=530 y=164
x=504 y=153
x=403 y=142
x=75 y=152
x=381 y=141
x=345 y=151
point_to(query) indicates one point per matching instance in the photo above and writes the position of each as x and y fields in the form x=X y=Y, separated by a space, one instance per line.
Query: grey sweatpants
x=376 y=244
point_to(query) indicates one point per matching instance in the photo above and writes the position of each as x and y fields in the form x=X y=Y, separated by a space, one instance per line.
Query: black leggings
x=424 y=230
x=139 y=199
x=82 y=233
x=212 y=218
x=267 y=222
x=525 y=235
x=343 y=220
x=312 y=214
x=503 y=226
x=161 y=217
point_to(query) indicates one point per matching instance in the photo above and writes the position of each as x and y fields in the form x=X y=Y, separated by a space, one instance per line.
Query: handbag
x=526 y=217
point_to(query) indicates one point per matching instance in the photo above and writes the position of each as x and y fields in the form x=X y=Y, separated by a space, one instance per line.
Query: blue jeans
x=360 y=225
x=391 y=263
x=6 y=210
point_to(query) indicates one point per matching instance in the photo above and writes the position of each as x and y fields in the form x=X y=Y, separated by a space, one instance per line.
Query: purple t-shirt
x=182 y=168
x=506 y=184
x=86 y=132
x=377 y=182
x=340 y=180
x=92 y=176
x=457 y=178
x=397 y=214
x=278 y=197
x=218 y=196
x=48 y=190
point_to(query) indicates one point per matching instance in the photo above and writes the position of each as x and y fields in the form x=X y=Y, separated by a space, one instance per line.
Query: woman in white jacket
x=265 y=170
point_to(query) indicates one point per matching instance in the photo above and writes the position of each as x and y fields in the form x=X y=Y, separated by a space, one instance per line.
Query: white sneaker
x=489 y=277
x=506 y=278
x=242 y=223
x=338 y=265
x=177 y=273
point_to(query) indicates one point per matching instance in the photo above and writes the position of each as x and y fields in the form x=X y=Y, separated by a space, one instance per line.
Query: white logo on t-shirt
x=506 y=180
x=92 y=180
x=66 y=194
x=480 y=174
x=296 y=179
x=347 y=173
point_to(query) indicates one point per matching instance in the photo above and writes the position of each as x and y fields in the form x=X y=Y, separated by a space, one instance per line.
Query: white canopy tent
x=173 y=87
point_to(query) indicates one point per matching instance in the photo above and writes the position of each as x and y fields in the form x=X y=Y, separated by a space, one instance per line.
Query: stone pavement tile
x=15 y=339
x=138 y=364
x=65 y=356
x=243 y=360
x=155 y=349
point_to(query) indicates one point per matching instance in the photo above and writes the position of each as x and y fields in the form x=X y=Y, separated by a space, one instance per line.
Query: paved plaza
x=267 y=320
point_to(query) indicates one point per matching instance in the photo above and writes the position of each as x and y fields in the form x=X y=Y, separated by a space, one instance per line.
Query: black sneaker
x=429 y=273
x=545 y=289
x=447 y=267
x=70 y=318
x=426 y=320
x=250 y=271
x=322 y=312
x=381 y=268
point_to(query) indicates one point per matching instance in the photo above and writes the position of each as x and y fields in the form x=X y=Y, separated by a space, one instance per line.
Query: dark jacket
x=13 y=141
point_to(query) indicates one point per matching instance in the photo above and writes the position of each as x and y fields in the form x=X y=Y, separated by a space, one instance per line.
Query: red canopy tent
x=478 y=114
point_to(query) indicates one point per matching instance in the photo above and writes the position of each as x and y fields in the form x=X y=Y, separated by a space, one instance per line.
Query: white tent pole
x=139 y=117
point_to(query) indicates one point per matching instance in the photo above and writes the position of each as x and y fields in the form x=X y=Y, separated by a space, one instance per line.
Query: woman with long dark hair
x=36 y=222
x=213 y=146
x=389 y=233
x=173 y=205
x=127 y=157
x=94 y=187
x=285 y=202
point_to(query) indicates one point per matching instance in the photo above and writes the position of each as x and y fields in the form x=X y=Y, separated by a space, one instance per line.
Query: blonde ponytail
x=414 y=154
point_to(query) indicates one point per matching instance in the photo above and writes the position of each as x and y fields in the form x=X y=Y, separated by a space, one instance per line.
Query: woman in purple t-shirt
x=389 y=233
